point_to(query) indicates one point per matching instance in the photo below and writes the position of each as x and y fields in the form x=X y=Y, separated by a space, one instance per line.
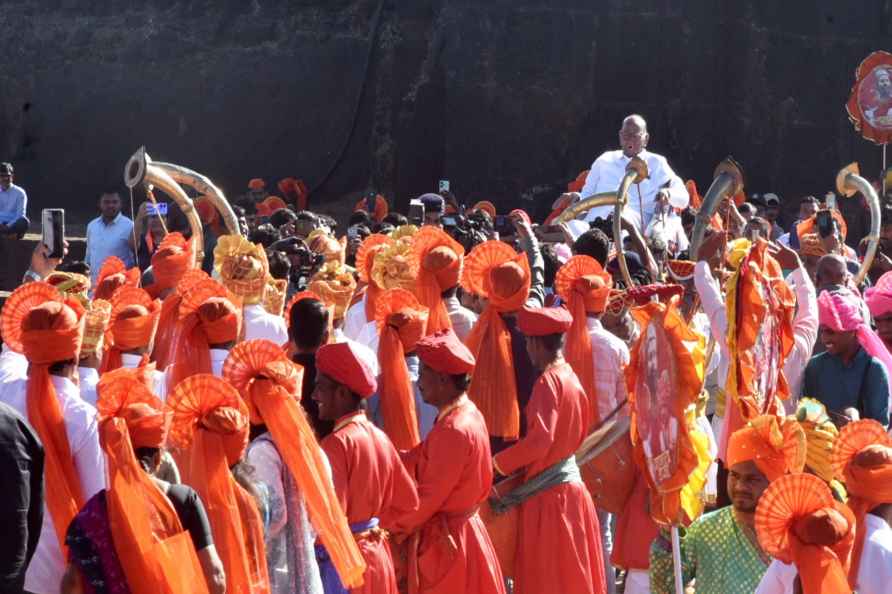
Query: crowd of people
x=286 y=408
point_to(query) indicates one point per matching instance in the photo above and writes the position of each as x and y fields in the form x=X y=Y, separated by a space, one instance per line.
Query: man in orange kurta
x=558 y=540
x=370 y=480
x=450 y=550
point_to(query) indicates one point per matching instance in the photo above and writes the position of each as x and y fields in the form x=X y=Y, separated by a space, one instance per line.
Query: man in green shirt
x=720 y=550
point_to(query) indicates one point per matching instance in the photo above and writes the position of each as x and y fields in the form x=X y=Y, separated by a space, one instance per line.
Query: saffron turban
x=335 y=286
x=438 y=259
x=487 y=207
x=775 y=449
x=379 y=211
x=173 y=258
x=341 y=362
x=242 y=267
x=113 y=274
x=879 y=298
x=220 y=320
x=445 y=353
x=543 y=321
x=256 y=184
x=365 y=259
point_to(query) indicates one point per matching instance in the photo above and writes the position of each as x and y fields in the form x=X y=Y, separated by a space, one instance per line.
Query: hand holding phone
x=53 y=224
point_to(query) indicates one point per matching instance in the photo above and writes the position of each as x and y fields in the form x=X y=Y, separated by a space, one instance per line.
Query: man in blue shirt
x=13 y=204
x=845 y=375
x=110 y=234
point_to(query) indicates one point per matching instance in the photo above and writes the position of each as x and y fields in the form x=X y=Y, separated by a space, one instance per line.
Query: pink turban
x=840 y=312
x=879 y=298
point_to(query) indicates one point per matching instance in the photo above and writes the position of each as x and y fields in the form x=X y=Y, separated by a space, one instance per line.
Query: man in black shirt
x=309 y=323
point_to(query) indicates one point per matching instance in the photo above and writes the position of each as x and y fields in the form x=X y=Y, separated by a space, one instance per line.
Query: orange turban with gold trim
x=270 y=384
x=134 y=320
x=776 y=447
x=438 y=259
x=242 y=267
x=335 y=286
x=402 y=322
x=365 y=258
x=494 y=271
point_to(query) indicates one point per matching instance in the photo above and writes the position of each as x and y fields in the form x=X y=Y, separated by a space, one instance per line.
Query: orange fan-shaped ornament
x=17 y=306
x=680 y=270
x=853 y=438
x=786 y=499
x=575 y=268
x=482 y=259
x=248 y=359
x=121 y=391
x=193 y=398
x=201 y=291
x=127 y=296
x=189 y=280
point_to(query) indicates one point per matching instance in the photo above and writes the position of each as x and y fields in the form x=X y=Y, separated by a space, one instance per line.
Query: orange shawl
x=210 y=426
x=156 y=554
x=401 y=323
x=166 y=335
x=270 y=384
x=491 y=271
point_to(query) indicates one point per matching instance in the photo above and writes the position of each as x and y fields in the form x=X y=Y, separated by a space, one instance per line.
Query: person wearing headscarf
x=809 y=534
x=210 y=427
x=208 y=326
x=720 y=549
x=170 y=263
x=40 y=323
x=853 y=371
x=131 y=334
x=505 y=375
x=370 y=480
x=362 y=312
x=879 y=302
x=141 y=532
x=452 y=467
x=287 y=459
x=243 y=269
x=439 y=259
x=558 y=537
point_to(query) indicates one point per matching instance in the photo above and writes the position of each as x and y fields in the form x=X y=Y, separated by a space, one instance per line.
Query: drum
x=607 y=466
x=502 y=528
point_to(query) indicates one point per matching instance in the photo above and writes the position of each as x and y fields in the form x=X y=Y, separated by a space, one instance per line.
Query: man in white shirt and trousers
x=660 y=191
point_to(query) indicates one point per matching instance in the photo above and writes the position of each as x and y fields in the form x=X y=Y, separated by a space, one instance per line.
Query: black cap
x=432 y=202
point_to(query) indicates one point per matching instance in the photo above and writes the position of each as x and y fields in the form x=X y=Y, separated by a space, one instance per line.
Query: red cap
x=445 y=353
x=342 y=363
x=542 y=321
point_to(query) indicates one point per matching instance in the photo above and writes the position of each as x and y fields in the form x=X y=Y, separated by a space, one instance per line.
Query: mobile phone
x=444 y=185
x=53 y=220
x=830 y=200
x=824 y=220
x=157 y=209
x=416 y=212
x=449 y=221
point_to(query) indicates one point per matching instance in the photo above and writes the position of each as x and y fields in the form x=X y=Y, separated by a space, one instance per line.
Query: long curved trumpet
x=140 y=169
x=848 y=183
x=636 y=172
x=727 y=181
x=201 y=184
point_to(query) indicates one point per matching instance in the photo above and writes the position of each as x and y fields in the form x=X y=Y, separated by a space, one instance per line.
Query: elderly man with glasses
x=13 y=204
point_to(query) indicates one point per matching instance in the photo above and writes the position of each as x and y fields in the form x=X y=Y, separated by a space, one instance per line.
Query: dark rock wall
x=507 y=99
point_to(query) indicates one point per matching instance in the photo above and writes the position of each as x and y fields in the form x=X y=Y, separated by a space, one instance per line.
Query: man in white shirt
x=662 y=186
x=13 y=204
x=462 y=318
x=110 y=234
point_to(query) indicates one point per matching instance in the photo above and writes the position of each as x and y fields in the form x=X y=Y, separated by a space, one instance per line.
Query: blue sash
x=331 y=582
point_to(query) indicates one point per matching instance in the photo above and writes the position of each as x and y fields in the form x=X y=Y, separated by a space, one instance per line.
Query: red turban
x=542 y=321
x=445 y=353
x=487 y=207
x=775 y=449
x=256 y=184
x=341 y=362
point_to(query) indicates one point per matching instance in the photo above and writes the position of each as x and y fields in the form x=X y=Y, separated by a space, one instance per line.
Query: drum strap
x=564 y=471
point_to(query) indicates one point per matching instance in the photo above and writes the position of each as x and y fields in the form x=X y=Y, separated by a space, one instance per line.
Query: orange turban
x=380 y=211
x=168 y=321
x=862 y=456
x=438 y=259
x=810 y=245
x=270 y=205
x=320 y=242
x=335 y=286
x=402 y=322
x=113 y=274
x=256 y=184
x=445 y=353
x=171 y=260
x=270 y=384
x=776 y=449
x=71 y=283
x=242 y=267
x=156 y=554
x=134 y=320
x=38 y=322
x=487 y=207
x=798 y=521
x=585 y=287
x=209 y=215
x=494 y=271
x=208 y=315
x=810 y=225
x=210 y=428
x=365 y=258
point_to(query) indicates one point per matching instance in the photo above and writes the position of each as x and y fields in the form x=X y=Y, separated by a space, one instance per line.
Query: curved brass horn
x=848 y=183
x=201 y=184
x=140 y=169
x=636 y=172
x=727 y=181
x=585 y=205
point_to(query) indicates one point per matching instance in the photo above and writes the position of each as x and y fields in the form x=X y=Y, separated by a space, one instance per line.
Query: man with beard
x=721 y=549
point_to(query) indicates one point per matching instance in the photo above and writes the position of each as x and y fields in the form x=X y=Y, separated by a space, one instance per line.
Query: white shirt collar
x=65 y=385
x=219 y=354
x=130 y=361
x=593 y=323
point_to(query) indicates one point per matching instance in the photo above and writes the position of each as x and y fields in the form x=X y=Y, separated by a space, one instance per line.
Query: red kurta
x=558 y=538
x=635 y=530
x=453 y=468
x=371 y=482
